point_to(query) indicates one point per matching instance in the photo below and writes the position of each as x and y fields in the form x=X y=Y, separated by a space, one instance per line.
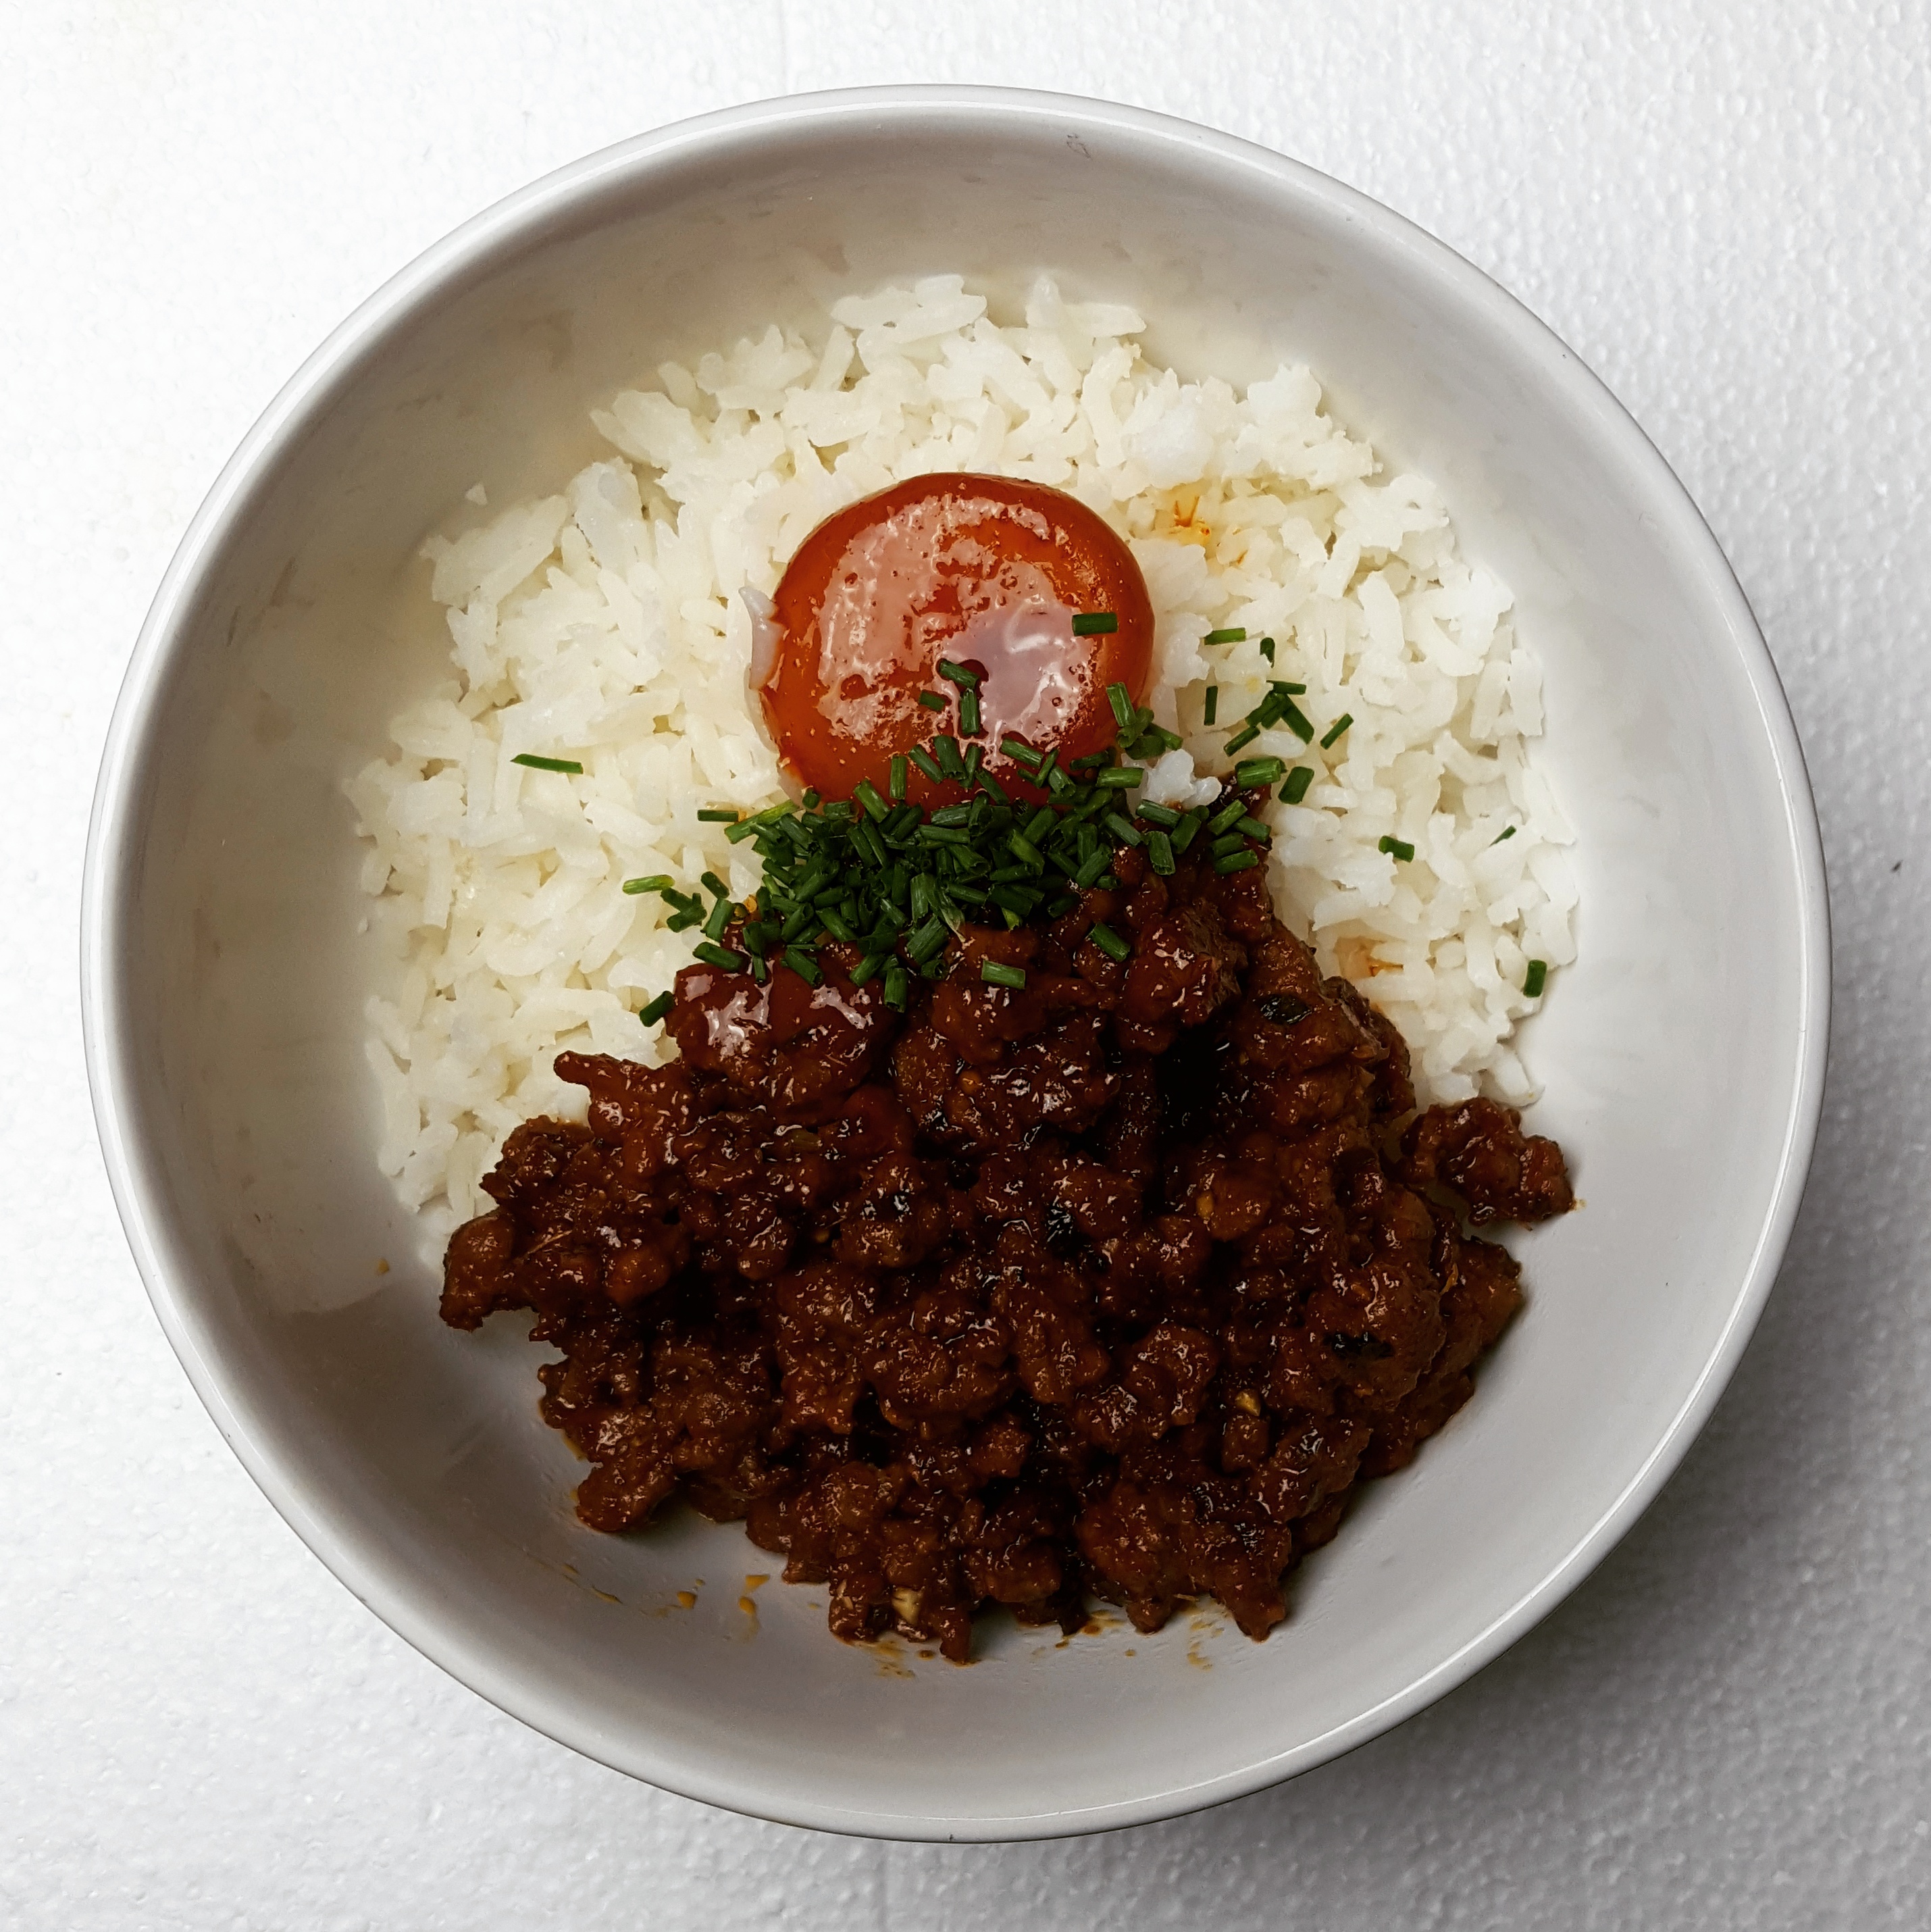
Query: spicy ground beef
x=1114 y=1286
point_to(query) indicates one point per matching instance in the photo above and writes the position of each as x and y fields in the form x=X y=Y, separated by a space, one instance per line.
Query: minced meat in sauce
x=1115 y=1285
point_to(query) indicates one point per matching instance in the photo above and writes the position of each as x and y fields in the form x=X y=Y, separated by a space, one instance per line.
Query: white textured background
x=1723 y=204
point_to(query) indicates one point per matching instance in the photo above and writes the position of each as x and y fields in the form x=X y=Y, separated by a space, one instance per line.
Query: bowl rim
x=139 y=1188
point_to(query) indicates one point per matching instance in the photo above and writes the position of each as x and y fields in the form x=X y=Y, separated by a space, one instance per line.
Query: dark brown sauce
x=1117 y=1285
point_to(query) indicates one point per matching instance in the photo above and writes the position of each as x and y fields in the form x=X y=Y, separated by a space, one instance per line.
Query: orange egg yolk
x=988 y=572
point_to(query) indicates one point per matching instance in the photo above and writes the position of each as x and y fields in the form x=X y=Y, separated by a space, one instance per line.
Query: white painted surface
x=1721 y=205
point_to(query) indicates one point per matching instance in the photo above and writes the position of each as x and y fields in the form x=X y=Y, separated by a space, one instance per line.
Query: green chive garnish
x=995 y=974
x=969 y=713
x=658 y=882
x=1533 y=979
x=720 y=918
x=719 y=955
x=1295 y=789
x=931 y=700
x=1160 y=853
x=1121 y=699
x=1095 y=624
x=1400 y=848
x=656 y=1009
x=1235 y=635
x=1109 y=942
x=1253 y=771
x=1213 y=704
x=1267 y=649
x=958 y=674
x=1237 y=861
x=866 y=793
x=894 y=782
x=1506 y=832
x=802 y=963
x=1332 y=735
x=536 y=764
x=717 y=815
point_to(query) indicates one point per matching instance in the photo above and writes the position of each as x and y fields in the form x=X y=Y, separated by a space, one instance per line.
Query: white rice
x=605 y=624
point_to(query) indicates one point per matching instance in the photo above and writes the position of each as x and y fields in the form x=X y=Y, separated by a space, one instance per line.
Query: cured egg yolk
x=988 y=572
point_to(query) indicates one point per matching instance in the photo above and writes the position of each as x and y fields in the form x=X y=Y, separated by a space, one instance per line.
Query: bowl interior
x=1679 y=1057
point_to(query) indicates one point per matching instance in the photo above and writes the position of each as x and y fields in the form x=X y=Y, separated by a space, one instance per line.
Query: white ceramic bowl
x=225 y=976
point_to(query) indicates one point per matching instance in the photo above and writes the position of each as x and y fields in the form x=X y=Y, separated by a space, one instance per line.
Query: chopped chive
x=1160 y=853
x=1506 y=832
x=1184 y=834
x=1295 y=719
x=713 y=883
x=895 y=782
x=897 y=984
x=720 y=918
x=1245 y=736
x=658 y=882
x=866 y=793
x=950 y=762
x=1236 y=862
x=974 y=759
x=1020 y=753
x=1091 y=869
x=1252 y=828
x=1267 y=649
x=1535 y=978
x=969 y=713
x=656 y=1009
x=745 y=828
x=812 y=799
x=682 y=921
x=996 y=974
x=1121 y=699
x=1399 y=847
x=1163 y=816
x=1333 y=737
x=1253 y=771
x=719 y=955
x=1226 y=816
x=1118 y=778
x=1109 y=942
x=1213 y=703
x=720 y=814
x=1023 y=848
x=926 y=763
x=802 y=963
x=1095 y=624
x=927 y=942
x=1122 y=829
x=958 y=674
x=1235 y=634
x=536 y=764
x=931 y=700
x=1298 y=780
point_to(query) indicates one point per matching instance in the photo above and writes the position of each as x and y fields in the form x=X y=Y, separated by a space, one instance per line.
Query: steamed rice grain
x=606 y=625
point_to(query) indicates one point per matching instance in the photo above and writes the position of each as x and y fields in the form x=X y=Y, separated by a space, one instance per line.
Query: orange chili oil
x=987 y=572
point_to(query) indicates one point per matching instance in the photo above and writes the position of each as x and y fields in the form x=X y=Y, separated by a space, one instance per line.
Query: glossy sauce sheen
x=986 y=570
x=1118 y=1284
